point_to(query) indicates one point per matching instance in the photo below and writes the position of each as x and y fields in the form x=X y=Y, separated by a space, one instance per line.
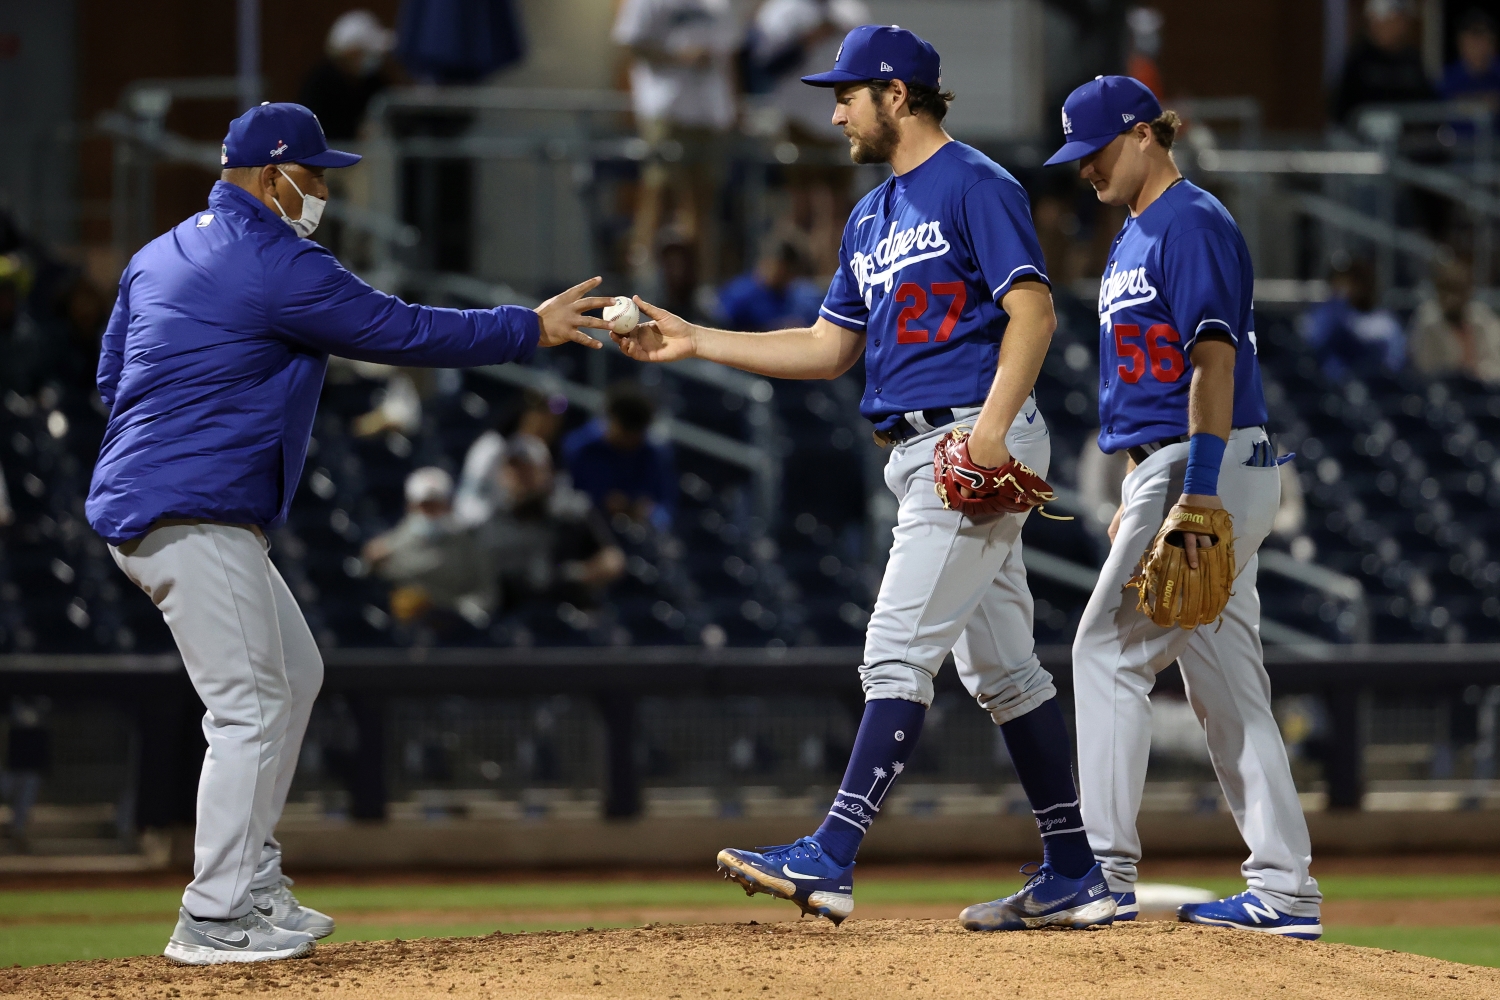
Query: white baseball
x=622 y=316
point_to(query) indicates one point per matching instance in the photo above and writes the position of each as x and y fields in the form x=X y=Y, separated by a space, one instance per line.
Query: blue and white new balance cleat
x=1248 y=912
x=1047 y=900
x=1126 y=908
x=800 y=872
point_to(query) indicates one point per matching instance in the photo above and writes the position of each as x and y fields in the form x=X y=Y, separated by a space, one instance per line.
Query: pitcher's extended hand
x=667 y=337
x=565 y=312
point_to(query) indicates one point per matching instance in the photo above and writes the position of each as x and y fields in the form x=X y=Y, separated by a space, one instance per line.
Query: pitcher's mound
x=864 y=958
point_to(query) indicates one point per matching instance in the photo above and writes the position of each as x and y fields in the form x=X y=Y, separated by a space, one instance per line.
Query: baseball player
x=1179 y=389
x=211 y=367
x=941 y=287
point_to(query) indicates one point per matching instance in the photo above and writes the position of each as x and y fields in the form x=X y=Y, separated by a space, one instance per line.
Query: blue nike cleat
x=800 y=872
x=1126 y=907
x=1248 y=912
x=1047 y=900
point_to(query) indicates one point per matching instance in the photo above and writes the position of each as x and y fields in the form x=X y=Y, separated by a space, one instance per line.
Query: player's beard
x=879 y=145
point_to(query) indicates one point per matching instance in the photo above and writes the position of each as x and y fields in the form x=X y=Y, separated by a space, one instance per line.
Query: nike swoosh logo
x=266 y=910
x=1032 y=419
x=861 y=222
x=787 y=871
x=242 y=941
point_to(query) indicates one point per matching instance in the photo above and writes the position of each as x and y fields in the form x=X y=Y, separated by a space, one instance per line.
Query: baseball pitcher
x=211 y=367
x=941 y=288
x=1179 y=389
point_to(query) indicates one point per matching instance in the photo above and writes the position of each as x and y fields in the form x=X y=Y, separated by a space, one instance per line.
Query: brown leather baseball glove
x=1011 y=488
x=1168 y=590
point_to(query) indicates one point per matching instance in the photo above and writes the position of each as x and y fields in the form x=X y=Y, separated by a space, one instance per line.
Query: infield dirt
x=864 y=958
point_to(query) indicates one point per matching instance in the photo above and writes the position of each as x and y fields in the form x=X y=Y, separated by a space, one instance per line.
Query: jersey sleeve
x=845 y=304
x=1202 y=274
x=997 y=215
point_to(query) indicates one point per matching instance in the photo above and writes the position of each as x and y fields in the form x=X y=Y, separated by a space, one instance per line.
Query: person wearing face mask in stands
x=211 y=367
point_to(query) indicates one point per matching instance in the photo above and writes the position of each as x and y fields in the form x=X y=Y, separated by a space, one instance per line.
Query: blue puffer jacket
x=213 y=361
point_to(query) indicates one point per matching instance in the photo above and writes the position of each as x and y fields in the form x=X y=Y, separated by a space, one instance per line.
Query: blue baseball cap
x=882 y=52
x=280 y=133
x=1100 y=110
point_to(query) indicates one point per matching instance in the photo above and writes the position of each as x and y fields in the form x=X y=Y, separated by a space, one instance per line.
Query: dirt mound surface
x=876 y=958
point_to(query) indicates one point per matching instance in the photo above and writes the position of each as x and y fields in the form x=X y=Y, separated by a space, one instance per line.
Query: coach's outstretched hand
x=667 y=337
x=564 y=313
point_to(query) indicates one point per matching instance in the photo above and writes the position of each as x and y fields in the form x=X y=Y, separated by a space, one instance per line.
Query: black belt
x=1139 y=453
x=902 y=428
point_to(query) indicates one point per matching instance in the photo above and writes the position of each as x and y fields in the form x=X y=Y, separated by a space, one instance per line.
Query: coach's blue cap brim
x=834 y=77
x=1077 y=149
x=331 y=158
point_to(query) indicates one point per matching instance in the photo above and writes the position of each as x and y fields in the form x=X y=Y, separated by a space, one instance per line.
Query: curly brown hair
x=922 y=99
x=1165 y=128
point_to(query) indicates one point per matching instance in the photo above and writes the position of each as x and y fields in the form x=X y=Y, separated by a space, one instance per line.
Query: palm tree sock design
x=887 y=736
x=1042 y=752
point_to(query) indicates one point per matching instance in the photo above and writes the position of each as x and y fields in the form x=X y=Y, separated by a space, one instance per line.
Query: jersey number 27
x=915 y=297
x=1166 y=362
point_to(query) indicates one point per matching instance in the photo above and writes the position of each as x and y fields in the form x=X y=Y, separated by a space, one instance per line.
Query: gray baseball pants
x=1119 y=651
x=253 y=661
x=956 y=583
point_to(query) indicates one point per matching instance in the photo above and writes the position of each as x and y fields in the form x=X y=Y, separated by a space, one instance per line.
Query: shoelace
x=1036 y=876
x=804 y=848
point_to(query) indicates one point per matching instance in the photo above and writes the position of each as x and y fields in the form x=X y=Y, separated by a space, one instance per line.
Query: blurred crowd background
x=513 y=147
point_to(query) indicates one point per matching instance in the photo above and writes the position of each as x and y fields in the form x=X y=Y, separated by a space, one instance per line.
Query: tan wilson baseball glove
x=1168 y=590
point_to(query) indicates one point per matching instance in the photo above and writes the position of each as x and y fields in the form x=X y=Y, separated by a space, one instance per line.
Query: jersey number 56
x=1166 y=362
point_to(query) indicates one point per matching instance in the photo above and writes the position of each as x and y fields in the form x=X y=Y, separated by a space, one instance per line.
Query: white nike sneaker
x=250 y=938
x=277 y=904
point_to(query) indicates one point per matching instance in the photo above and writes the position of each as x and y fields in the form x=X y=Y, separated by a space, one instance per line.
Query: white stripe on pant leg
x=304 y=674
x=212 y=588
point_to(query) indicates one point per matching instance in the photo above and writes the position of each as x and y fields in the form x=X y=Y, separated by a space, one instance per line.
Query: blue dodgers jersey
x=1178 y=269
x=926 y=258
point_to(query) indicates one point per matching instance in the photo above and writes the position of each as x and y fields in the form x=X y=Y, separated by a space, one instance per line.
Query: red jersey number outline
x=916 y=298
x=1165 y=361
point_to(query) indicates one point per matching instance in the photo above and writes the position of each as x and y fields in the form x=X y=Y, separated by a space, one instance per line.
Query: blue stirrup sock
x=1205 y=455
x=1042 y=752
x=887 y=736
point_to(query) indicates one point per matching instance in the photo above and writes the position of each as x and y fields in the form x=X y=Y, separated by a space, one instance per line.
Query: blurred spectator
x=678 y=263
x=1349 y=333
x=681 y=84
x=614 y=462
x=1454 y=333
x=352 y=72
x=459 y=41
x=1386 y=66
x=28 y=757
x=436 y=563
x=1145 y=45
x=551 y=544
x=774 y=296
x=400 y=404
x=790 y=39
x=1475 y=75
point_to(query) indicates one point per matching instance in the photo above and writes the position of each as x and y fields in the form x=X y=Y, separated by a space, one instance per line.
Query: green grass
x=58 y=926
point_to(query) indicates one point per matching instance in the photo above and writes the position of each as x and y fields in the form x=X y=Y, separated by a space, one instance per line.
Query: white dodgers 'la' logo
x=1121 y=290
x=894 y=252
x=1067 y=123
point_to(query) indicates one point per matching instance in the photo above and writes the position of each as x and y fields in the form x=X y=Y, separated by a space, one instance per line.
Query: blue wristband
x=1205 y=455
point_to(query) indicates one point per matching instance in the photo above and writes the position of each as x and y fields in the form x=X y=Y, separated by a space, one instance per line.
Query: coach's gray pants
x=1119 y=651
x=253 y=661
x=957 y=583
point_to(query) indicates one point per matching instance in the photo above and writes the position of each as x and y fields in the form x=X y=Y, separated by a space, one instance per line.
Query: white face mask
x=312 y=210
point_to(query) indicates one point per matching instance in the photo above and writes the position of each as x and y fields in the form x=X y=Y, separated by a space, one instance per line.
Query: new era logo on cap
x=1095 y=113
x=873 y=51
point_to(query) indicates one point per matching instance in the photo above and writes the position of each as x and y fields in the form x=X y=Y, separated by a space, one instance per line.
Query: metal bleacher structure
x=725 y=658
